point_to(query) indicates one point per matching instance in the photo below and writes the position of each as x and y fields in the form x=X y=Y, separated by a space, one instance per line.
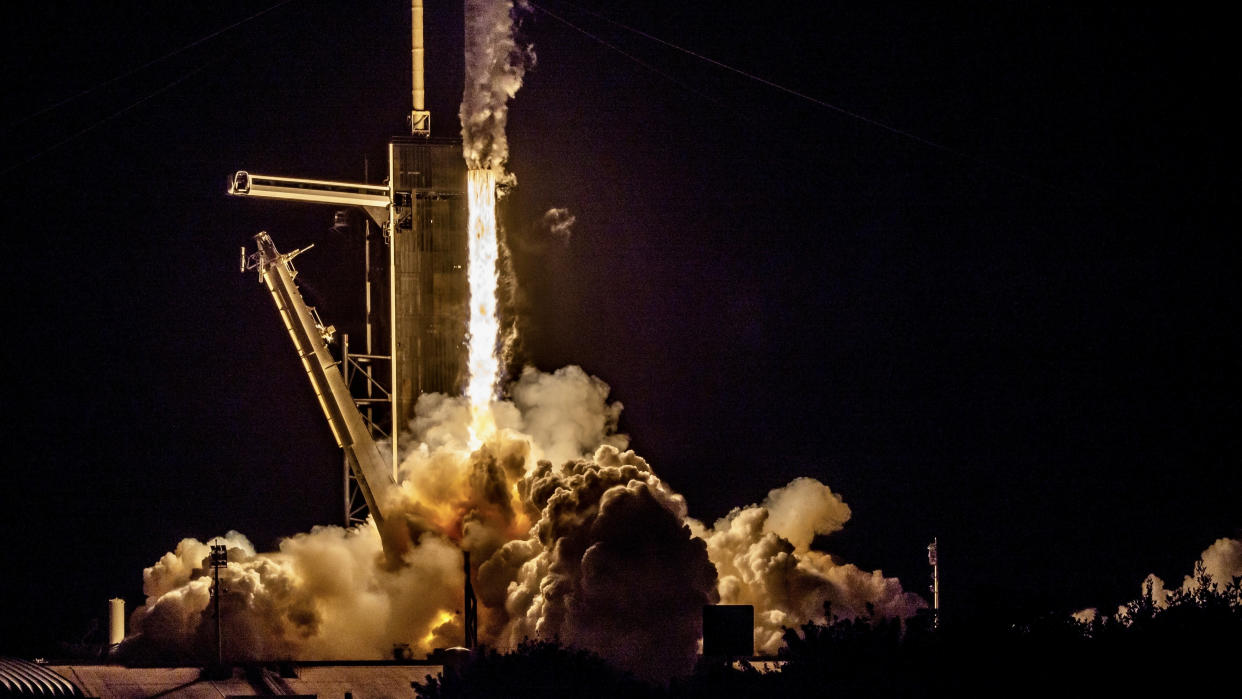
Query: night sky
x=1012 y=325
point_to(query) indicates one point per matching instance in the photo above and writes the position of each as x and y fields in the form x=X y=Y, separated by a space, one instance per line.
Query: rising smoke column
x=496 y=62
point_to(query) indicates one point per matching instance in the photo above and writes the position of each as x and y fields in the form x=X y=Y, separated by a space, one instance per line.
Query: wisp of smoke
x=559 y=222
x=572 y=537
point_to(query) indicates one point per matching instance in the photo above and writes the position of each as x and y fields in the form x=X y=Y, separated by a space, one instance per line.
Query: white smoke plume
x=572 y=537
x=496 y=62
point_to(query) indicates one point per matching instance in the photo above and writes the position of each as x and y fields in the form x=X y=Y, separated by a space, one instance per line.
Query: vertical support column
x=394 y=389
x=345 y=494
x=366 y=261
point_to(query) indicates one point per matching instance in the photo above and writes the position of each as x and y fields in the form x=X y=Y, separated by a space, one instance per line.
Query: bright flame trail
x=484 y=364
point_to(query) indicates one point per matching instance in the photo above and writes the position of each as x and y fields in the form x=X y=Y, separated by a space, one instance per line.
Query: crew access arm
x=309 y=339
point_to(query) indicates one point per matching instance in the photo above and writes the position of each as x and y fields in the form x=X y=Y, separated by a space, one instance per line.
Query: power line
x=621 y=51
x=795 y=93
x=110 y=117
x=98 y=86
x=765 y=81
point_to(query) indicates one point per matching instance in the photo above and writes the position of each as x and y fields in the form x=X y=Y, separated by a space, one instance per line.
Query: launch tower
x=421 y=209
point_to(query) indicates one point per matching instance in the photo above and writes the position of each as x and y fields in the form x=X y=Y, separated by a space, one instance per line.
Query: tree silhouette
x=535 y=669
x=1156 y=646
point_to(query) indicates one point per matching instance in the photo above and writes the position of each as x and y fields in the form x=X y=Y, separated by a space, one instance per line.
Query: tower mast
x=420 y=118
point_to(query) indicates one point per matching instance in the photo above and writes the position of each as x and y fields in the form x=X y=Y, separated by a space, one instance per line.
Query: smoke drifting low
x=572 y=537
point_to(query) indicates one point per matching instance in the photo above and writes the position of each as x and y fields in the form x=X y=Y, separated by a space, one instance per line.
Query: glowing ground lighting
x=483 y=362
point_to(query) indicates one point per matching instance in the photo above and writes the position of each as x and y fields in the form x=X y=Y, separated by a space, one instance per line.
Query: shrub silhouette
x=1156 y=646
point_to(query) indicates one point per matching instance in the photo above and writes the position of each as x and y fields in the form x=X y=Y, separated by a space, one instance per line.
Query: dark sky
x=1014 y=328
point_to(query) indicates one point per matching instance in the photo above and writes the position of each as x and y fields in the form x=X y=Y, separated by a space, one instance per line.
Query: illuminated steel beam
x=310 y=338
x=375 y=199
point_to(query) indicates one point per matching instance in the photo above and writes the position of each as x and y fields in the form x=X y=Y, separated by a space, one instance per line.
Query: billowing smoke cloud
x=308 y=600
x=763 y=557
x=496 y=62
x=611 y=565
x=572 y=537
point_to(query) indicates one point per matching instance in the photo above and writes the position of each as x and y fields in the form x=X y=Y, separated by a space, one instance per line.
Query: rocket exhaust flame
x=495 y=65
x=484 y=328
